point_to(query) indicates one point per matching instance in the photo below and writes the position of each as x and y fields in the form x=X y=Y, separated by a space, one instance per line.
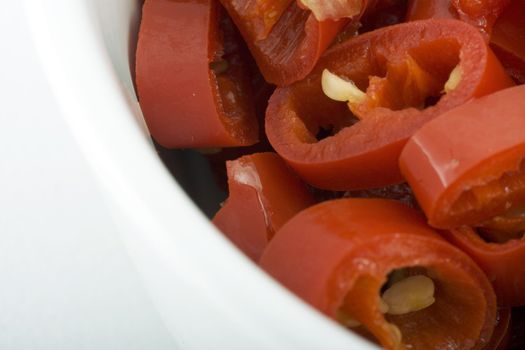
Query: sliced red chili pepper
x=480 y=13
x=264 y=194
x=501 y=262
x=334 y=9
x=502 y=228
x=404 y=67
x=501 y=336
x=508 y=39
x=193 y=88
x=261 y=94
x=337 y=9
x=425 y=9
x=259 y=16
x=337 y=255
x=289 y=51
x=466 y=167
x=399 y=192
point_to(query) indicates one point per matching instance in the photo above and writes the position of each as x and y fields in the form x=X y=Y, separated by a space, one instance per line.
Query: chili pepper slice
x=264 y=194
x=508 y=38
x=335 y=9
x=501 y=336
x=289 y=51
x=466 y=167
x=337 y=256
x=480 y=13
x=501 y=262
x=425 y=9
x=260 y=15
x=193 y=88
x=408 y=65
x=399 y=192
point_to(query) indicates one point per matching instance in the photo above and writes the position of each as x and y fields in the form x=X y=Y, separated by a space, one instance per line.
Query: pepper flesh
x=425 y=9
x=365 y=153
x=260 y=15
x=185 y=102
x=334 y=9
x=508 y=38
x=501 y=335
x=482 y=14
x=465 y=167
x=264 y=194
x=289 y=51
x=502 y=263
x=337 y=255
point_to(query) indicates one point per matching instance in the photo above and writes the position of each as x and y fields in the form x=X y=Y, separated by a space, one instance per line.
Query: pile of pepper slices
x=374 y=151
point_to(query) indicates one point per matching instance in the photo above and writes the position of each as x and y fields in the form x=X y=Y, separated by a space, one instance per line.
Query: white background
x=65 y=279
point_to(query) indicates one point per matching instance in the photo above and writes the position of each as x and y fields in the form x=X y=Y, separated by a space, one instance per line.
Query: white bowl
x=209 y=295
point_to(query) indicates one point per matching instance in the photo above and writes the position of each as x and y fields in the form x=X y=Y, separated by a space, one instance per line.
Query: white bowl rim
x=141 y=185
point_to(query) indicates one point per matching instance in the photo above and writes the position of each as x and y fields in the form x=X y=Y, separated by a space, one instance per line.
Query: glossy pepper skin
x=508 y=38
x=501 y=336
x=258 y=17
x=287 y=49
x=481 y=14
x=337 y=255
x=394 y=62
x=501 y=262
x=426 y=9
x=193 y=88
x=466 y=167
x=264 y=194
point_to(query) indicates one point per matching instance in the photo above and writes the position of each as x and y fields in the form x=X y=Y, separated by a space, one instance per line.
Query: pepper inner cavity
x=407 y=290
x=416 y=81
x=496 y=208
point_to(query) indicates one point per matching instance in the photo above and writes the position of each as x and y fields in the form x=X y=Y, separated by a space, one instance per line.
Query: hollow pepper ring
x=193 y=87
x=365 y=153
x=337 y=255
